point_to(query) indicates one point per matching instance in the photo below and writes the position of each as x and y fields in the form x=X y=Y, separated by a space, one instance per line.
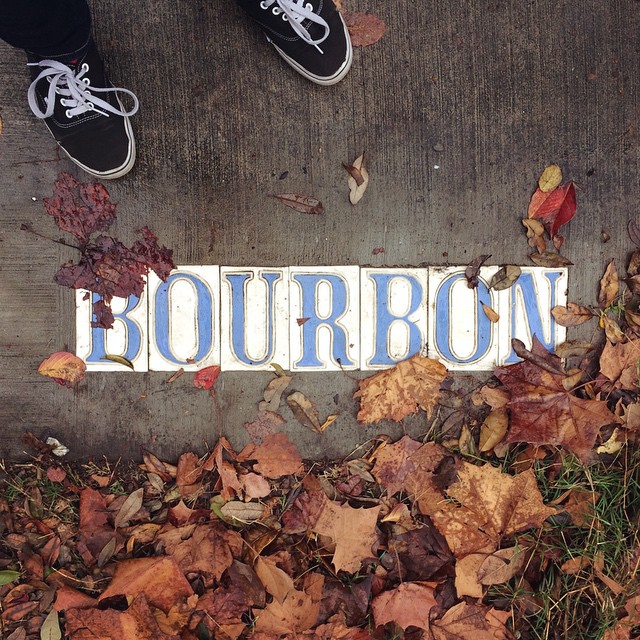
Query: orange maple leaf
x=544 y=412
x=472 y=621
x=277 y=456
x=399 y=392
x=407 y=605
x=353 y=531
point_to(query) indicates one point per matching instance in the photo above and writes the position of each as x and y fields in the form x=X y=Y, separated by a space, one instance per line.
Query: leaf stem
x=30 y=229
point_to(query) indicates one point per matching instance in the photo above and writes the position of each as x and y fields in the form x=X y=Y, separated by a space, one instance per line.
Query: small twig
x=30 y=229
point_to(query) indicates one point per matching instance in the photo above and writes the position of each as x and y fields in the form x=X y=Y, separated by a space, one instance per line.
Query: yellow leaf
x=490 y=313
x=119 y=359
x=63 y=367
x=493 y=429
x=550 y=179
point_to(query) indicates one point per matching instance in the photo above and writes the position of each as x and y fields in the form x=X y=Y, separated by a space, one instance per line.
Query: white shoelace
x=296 y=11
x=76 y=91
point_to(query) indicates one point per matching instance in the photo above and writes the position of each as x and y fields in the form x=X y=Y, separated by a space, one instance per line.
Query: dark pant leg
x=45 y=27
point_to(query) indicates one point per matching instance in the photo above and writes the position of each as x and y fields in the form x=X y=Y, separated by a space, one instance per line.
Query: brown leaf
x=159 y=579
x=493 y=429
x=473 y=269
x=364 y=28
x=65 y=368
x=264 y=425
x=254 y=486
x=471 y=621
x=502 y=565
x=277 y=582
x=304 y=411
x=543 y=412
x=611 y=329
x=276 y=456
x=505 y=277
x=609 y=286
x=273 y=393
x=392 y=464
x=238 y=512
x=352 y=530
x=129 y=508
x=549 y=259
x=621 y=364
x=69 y=598
x=572 y=315
x=408 y=605
x=535 y=234
x=56 y=474
x=400 y=391
x=298 y=611
x=303 y=204
x=358 y=180
x=492 y=505
x=634 y=232
x=490 y=313
x=550 y=178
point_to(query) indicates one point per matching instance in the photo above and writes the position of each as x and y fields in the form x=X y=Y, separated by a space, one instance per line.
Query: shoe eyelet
x=68 y=114
x=276 y=11
x=84 y=67
x=309 y=6
x=86 y=81
x=285 y=17
x=63 y=102
x=263 y=5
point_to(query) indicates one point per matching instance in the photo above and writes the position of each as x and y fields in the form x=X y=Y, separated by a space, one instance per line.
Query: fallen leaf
x=493 y=429
x=613 y=444
x=612 y=329
x=129 y=508
x=470 y=621
x=7 y=576
x=276 y=456
x=572 y=315
x=572 y=348
x=364 y=28
x=50 y=629
x=502 y=565
x=550 y=178
x=505 y=277
x=535 y=234
x=254 y=486
x=609 y=286
x=400 y=391
x=304 y=411
x=490 y=313
x=206 y=378
x=575 y=565
x=237 y=512
x=264 y=425
x=408 y=605
x=352 y=530
x=328 y=422
x=303 y=204
x=473 y=269
x=634 y=232
x=56 y=474
x=544 y=412
x=620 y=363
x=358 y=180
x=57 y=448
x=119 y=360
x=298 y=611
x=65 y=368
x=273 y=393
x=555 y=208
x=276 y=581
x=549 y=259
x=392 y=464
x=492 y=505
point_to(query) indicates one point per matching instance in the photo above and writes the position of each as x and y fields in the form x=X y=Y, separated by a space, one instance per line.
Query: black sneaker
x=82 y=110
x=310 y=35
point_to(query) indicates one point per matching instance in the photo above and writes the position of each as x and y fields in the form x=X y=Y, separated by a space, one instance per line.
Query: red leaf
x=554 y=208
x=364 y=28
x=65 y=368
x=80 y=208
x=206 y=378
x=56 y=474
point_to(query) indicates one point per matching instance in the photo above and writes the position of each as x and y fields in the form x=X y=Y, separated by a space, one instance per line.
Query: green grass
x=554 y=604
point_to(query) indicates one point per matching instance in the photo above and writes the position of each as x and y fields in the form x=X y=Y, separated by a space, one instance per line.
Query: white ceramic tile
x=184 y=319
x=254 y=318
x=460 y=334
x=324 y=318
x=393 y=315
x=127 y=338
x=525 y=310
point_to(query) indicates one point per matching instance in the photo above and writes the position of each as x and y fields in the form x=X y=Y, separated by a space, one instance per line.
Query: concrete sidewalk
x=459 y=108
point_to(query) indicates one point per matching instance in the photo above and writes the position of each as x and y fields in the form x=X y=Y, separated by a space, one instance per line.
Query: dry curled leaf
x=609 y=286
x=473 y=269
x=65 y=368
x=490 y=313
x=399 y=392
x=304 y=410
x=549 y=259
x=572 y=315
x=505 y=277
x=358 y=180
x=535 y=234
x=301 y=203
